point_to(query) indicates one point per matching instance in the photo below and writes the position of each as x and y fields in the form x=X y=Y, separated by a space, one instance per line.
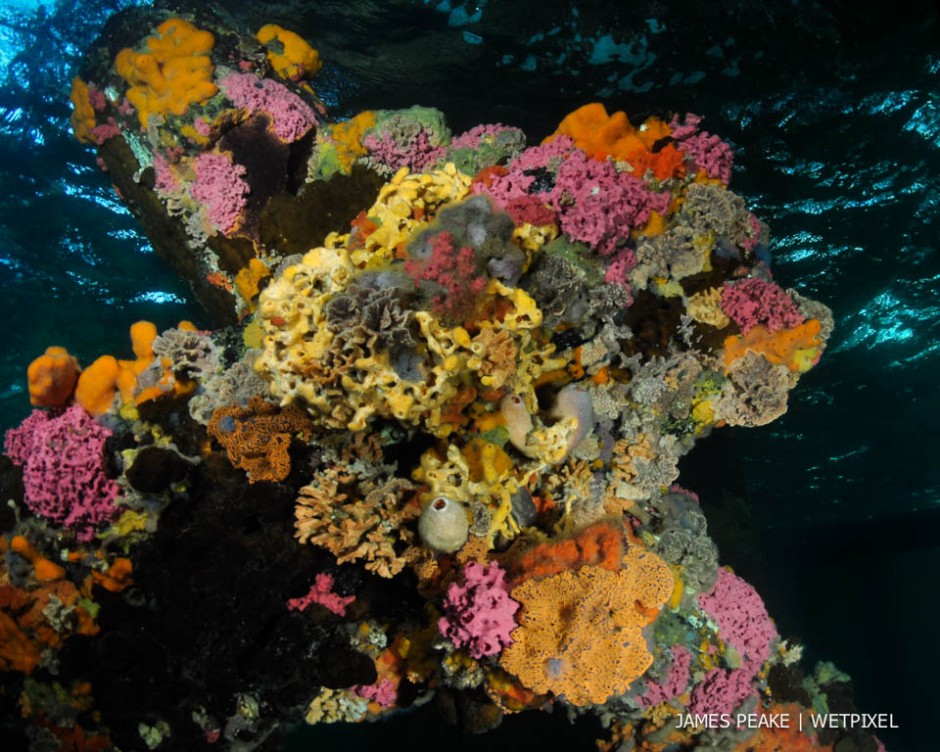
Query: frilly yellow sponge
x=52 y=378
x=345 y=375
x=288 y=53
x=345 y=380
x=173 y=72
x=405 y=204
x=83 y=114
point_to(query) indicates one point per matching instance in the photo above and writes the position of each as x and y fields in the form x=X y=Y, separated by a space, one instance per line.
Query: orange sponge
x=52 y=378
x=96 y=385
x=102 y=379
x=288 y=53
x=601 y=135
x=174 y=72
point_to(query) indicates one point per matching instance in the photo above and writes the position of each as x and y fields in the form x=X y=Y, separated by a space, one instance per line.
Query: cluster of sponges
x=172 y=71
x=416 y=138
x=341 y=366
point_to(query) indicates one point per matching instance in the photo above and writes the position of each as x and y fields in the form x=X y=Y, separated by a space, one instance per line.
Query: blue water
x=837 y=134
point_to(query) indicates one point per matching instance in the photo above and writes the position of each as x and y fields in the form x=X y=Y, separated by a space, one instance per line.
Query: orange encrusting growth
x=52 y=377
x=43 y=569
x=257 y=437
x=248 y=282
x=791 y=738
x=118 y=576
x=288 y=53
x=599 y=544
x=27 y=613
x=601 y=136
x=580 y=633
x=798 y=348
x=486 y=460
x=173 y=73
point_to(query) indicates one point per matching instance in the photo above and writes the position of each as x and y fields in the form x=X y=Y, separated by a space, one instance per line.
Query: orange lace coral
x=257 y=437
x=580 y=633
x=357 y=519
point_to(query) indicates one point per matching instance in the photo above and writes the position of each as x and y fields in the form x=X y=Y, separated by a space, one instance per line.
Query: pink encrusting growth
x=706 y=151
x=165 y=181
x=594 y=202
x=455 y=271
x=676 y=682
x=619 y=267
x=64 y=480
x=291 y=117
x=520 y=174
x=721 y=692
x=97 y=98
x=481 y=134
x=741 y=617
x=479 y=615
x=753 y=301
x=103 y=132
x=529 y=209
x=321 y=593
x=382 y=692
x=600 y=206
x=417 y=154
x=220 y=187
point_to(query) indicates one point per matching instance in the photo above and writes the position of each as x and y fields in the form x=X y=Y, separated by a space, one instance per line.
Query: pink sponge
x=416 y=154
x=720 y=692
x=221 y=188
x=741 y=617
x=600 y=206
x=753 y=301
x=706 y=151
x=291 y=117
x=63 y=475
x=676 y=682
x=479 y=614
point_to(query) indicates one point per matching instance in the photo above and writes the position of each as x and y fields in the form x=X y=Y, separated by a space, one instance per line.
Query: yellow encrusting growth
x=173 y=72
x=347 y=138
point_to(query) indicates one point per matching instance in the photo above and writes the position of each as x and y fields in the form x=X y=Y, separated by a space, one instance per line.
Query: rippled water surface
x=835 y=117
